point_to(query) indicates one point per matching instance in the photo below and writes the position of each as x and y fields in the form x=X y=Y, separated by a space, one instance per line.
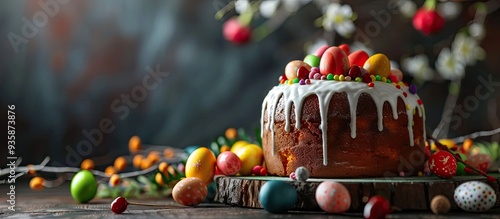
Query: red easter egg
x=228 y=163
x=335 y=61
x=302 y=72
x=319 y=52
x=443 y=164
x=358 y=58
x=345 y=48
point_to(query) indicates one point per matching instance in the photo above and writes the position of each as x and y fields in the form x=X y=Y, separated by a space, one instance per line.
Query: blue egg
x=277 y=196
x=211 y=189
x=190 y=149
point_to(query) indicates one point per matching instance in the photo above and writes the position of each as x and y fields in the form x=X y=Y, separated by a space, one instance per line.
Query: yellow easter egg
x=201 y=164
x=250 y=155
x=378 y=64
x=446 y=142
x=237 y=145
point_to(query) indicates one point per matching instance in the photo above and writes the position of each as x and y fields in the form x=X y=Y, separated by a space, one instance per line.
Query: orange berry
x=114 y=180
x=137 y=160
x=87 y=164
x=120 y=163
x=168 y=153
x=153 y=156
x=172 y=171
x=231 y=133
x=467 y=145
x=146 y=163
x=110 y=170
x=37 y=183
x=134 y=144
x=224 y=148
x=31 y=169
x=163 y=167
x=159 y=179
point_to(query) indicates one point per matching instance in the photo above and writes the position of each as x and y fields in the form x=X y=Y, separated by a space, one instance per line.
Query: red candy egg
x=228 y=163
x=345 y=48
x=334 y=61
x=443 y=164
x=302 y=72
x=358 y=58
x=377 y=207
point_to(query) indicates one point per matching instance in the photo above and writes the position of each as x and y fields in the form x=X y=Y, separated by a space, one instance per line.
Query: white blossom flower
x=339 y=18
x=241 y=6
x=407 y=8
x=418 y=67
x=466 y=50
x=448 y=66
x=268 y=8
x=477 y=31
x=449 y=10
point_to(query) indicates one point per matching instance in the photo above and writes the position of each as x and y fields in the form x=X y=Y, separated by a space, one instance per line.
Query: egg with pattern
x=475 y=196
x=190 y=191
x=333 y=197
x=201 y=163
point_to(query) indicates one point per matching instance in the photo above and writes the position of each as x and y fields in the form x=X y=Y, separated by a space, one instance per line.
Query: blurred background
x=85 y=71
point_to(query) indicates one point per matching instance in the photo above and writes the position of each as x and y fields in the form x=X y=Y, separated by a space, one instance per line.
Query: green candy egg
x=312 y=60
x=461 y=166
x=83 y=186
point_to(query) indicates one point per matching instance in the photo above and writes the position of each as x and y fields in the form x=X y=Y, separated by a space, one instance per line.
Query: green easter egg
x=83 y=186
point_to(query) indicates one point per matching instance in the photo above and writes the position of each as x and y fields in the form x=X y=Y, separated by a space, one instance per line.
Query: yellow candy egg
x=378 y=64
x=190 y=191
x=446 y=142
x=250 y=155
x=291 y=68
x=201 y=163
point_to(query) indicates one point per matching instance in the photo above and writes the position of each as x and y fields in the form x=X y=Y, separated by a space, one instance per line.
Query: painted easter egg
x=333 y=197
x=396 y=75
x=377 y=207
x=358 y=57
x=334 y=61
x=480 y=161
x=201 y=164
x=378 y=64
x=321 y=50
x=292 y=67
x=228 y=163
x=250 y=155
x=190 y=191
x=443 y=164
x=83 y=186
x=312 y=60
x=475 y=196
x=277 y=196
x=237 y=145
x=346 y=48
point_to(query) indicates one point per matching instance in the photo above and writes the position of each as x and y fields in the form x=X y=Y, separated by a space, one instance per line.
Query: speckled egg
x=277 y=196
x=480 y=161
x=378 y=64
x=228 y=163
x=201 y=164
x=475 y=196
x=333 y=197
x=190 y=191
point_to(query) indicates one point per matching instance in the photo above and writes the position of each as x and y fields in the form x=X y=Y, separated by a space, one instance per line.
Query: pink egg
x=397 y=73
x=319 y=52
x=358 y=57
x=480 y=161
x=333 y=197
x=334 y=61
x=228 y=163
x=190 y=191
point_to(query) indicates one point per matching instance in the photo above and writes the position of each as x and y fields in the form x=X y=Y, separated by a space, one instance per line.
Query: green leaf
x=103 y=191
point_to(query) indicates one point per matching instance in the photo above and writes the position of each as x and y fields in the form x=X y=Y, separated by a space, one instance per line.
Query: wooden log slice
x=405 y=193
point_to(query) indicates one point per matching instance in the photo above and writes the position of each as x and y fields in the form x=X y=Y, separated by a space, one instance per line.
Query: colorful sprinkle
x=323 y=77
x=419 y=101
x=378 y=78
x=408 y=106
x=367 y=78
x=398 y=87
x=384 y=79
x=347 y=78
x=311 y=74
x=389 y=81
x=296 y=80
x=308 y=81
x=341 y=77
x=317 y=76
x=302 y=82
x=405 y=94
x=413 y=89
x=371 y=84
x=358 y=79
x=315 y=70
x=330 y=76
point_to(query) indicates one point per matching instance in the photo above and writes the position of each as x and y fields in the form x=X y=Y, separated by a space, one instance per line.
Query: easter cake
x=342 y=114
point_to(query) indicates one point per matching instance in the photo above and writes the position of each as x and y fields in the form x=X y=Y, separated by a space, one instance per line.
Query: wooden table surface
x=58 y=203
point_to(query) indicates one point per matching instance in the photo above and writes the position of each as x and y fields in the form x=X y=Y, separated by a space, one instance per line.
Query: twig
x=476 y=134
x=449 y=105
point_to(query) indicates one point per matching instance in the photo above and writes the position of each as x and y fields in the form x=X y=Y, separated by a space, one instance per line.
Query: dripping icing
x=324 y=90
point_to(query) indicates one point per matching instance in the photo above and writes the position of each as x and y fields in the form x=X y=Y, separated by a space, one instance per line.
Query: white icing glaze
x=324 y=90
